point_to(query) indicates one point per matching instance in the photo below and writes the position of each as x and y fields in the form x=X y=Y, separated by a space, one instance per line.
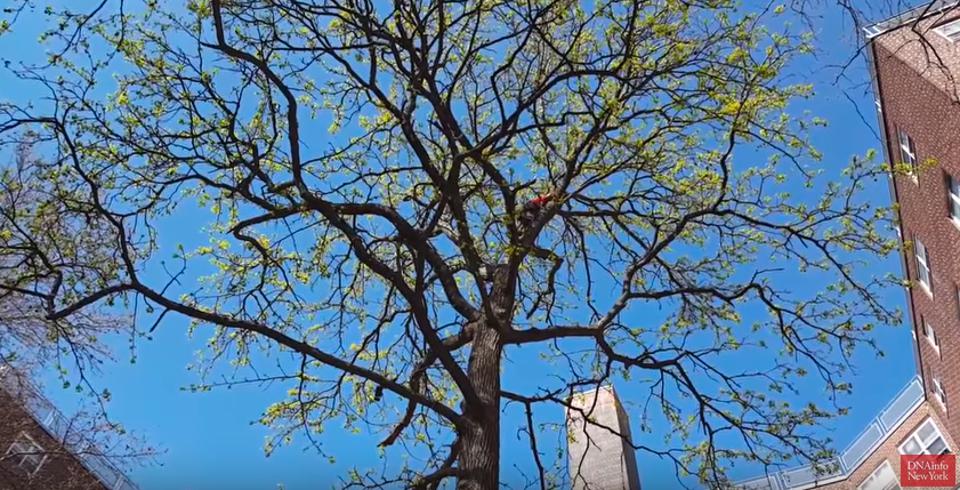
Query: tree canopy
x=75 y=348
x=361 y=167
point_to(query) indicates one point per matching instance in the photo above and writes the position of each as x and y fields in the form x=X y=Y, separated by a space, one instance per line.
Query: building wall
x=889 y=450
x=61 y=470
x=599 y=459
x=932 y=57
x=916 y=104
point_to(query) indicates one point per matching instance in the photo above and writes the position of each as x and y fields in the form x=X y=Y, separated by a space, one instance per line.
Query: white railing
x=925 y=8
x=807 y=475
x=771 y=482
x=863 y=445
x=54 y=422
x=877 y=431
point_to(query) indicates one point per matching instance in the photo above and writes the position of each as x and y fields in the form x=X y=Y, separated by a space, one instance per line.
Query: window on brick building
x=953 y=191
x=950 y=30
x=939 y=391
x=930 y=333
x=925 y=440
x=958 y=297
x=882 y=478
x=908 y=151
x=25 y=453
x=923 y=265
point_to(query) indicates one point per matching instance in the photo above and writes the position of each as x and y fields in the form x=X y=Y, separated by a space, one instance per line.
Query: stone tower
x=598 y=458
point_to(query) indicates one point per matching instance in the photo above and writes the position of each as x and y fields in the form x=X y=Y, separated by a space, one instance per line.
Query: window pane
x=883 y=478
x=924 y=275
x=950 y=29
x=926 y=431
x=31 y=461
x=28 y=453
x=923 y=264
x=905 y=156
x=937 y=447
x=911 y=447
x=908 y=154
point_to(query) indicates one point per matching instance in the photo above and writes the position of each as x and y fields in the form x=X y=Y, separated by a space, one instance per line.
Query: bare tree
x=369 y=169
x=28 y=340
x=31 y=343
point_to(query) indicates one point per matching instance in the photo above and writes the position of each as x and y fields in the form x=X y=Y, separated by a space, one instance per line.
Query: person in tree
x=531 y=211
x=529 y=214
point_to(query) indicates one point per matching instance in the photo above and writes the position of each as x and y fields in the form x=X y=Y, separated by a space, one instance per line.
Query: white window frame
x=950 y=30
x=957 y=287
x=871 y=483
x=26 y=449
x=908 y=151
x=924 y=273
x=925 y=444
x=939 y=392
x=930 y=334
x=953 y=195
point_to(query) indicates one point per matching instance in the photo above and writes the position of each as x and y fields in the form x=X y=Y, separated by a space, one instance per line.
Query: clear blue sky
x=210 y=440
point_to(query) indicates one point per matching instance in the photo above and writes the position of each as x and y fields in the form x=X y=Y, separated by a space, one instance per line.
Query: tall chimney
x=600 y=459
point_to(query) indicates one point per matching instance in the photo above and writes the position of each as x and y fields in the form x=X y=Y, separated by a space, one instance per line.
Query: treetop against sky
x=332 y=195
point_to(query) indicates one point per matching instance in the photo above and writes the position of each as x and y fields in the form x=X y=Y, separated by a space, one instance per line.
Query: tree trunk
x=480 y=443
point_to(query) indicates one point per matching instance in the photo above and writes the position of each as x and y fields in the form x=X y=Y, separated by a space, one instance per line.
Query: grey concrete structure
x=599 y=458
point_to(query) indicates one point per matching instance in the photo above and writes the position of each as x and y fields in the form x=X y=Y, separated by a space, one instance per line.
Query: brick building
x=600 y=459
x=39 y=450
x=914 y=59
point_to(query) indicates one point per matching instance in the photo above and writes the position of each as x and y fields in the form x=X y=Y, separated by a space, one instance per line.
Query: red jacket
x=540 y=200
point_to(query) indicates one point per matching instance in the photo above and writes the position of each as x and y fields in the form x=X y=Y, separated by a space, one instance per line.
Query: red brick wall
x=60 y=471
x=913 y=103
x=888 y=451
x=934 y=57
